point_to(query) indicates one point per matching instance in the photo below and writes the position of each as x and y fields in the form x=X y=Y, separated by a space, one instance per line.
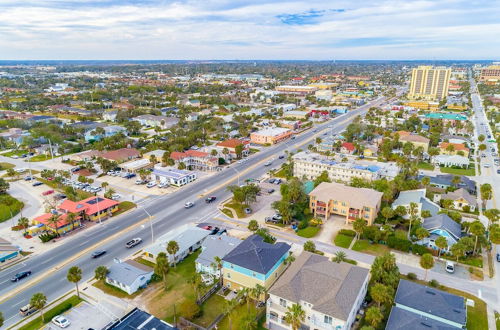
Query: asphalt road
x=49 y=269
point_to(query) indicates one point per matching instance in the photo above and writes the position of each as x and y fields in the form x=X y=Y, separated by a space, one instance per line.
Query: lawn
x=458 y=171
x=280 y=174
x=6 y=166
x=114 y=291
x=343 y=240
x=124 y=206
x=471 y=261
x=9 y=207
x=14 y=153
x=239 y=208
x=238 y=316
x=308 y=232
x=365 y=246
x=49 y=314
x=210 y=309
x=227 y=212
x=425 y=166
x=497 y=320
x=39 y=158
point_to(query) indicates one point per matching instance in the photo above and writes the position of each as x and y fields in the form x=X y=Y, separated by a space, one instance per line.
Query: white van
x=450 y=267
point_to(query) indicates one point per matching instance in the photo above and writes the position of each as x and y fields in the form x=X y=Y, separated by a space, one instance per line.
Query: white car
x=163 y=185
x=151 y=184
x=188 y=205
x=61 y=321
x=116 y=197
x=450 y=267
x=486 y=165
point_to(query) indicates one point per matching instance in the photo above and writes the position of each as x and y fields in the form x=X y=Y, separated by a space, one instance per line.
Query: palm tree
x=100 y=273
x=161 y=267
x=217 y=265
x=426 y=262
x=340 y=256
x=442 y=244
x=477 y=229
x=104 y=185
x=228 y=309
x=246 y=294
x=53 y=220
x=23 y=222
x=294 y=316
x=413 y=215
x=75 y=275
x=258 y=291
x=71 y=217
x=374 y=316
x=38 y=301
x=172 y=249
x=249 y=321
x=196 y=283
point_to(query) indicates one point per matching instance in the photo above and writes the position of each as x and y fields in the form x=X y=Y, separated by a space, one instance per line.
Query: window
x=228 y=275
x=328 y=319
x=283 y=302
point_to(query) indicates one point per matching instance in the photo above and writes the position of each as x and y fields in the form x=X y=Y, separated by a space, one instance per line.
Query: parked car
x=151 y=184
x=188 y=205
x=277 y=216
x=281 y=156
x=210 y=199
x=271 y=180
x=133 y=242
x=268 y=163
x=61 y=321
x=98 y=253
x=29 y=178
x=450 y=266
x=270 y=220
x=277 y=181
x=116 y=197
x=110 y=173
x=270 y=191
x=75 y=169
x=138 y=181
x=19 y=276
x=27 y=310
x=130 y=176
x=163 y=185
x=48 y=192
x=36 y=184
x=60 y=196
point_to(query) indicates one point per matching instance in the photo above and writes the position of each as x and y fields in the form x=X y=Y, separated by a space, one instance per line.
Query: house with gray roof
x=461 y=199
x=212 y=247
x=188 y=238
x=330 y=293
x=441 y=225
x=418 y=197
x=129 y=275
x=254 y=262
x=444 y=181
x=430 y=308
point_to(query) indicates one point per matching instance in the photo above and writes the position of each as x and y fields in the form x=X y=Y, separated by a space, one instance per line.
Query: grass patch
x=458 y=171
x=14 y=153
x=497 y=320
x=210 y=309
x=343 y=240
x=238 y=316
x=227 y=212
x=365 y=246
x=124 y=206
x=9 y=207
x=254 y=150
x=477 y=317
x=62 y=307
x=6 y=166
x=280 y=174
x=308 y=232
x=239 y=208
x=470 y=261
x=39 y=158
x=425 y=166
x=145 y=262
x=114 y=291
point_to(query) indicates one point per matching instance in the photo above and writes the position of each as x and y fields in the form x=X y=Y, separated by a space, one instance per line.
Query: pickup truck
x=27 y=310
x=133 y=242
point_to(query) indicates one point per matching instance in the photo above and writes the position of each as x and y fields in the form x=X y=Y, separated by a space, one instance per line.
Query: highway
x=50 y=268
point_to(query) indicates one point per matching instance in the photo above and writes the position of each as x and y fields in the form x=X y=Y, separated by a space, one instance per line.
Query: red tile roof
x=231 y=143
x=189 y=153
x=121 y=154
x=84 y=205
x=44 y=218
x=349 y=146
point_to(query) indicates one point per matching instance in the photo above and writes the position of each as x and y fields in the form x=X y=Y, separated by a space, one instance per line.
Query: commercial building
x=447 y=148
x=490 y=73
x=429 y=83
x=196 y=160
x=293 y=89
x=136 y=165
x=329 y=293
x=270 y=135
x=311 y=165
x=423 y=105
x=353 y=203
x=121 y=155
x=232 y=145
x=172 y=176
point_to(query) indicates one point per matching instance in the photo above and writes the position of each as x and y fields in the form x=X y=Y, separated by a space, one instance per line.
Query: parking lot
x=86 y=316
x=270 y=192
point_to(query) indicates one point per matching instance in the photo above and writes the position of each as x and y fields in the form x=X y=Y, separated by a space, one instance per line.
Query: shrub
x=303 y=224
x=46 y=237
x=434 y=283
x=419 y=249
x=189 y=309
x=399 y=244
x=347 y=232
x=412 y=276
x=372 y=233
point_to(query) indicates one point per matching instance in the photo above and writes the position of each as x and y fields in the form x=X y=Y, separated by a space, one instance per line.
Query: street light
x=150 y=222
x=237 y=172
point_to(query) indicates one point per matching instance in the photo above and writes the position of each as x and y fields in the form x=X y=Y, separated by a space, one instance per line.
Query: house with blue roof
x=93 y=135
x=254 y=262
x=441 y=225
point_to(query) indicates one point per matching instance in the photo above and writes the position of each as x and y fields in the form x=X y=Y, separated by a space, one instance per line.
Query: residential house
x=461 y=199
x=418 y=197
x=451 y=160
x=172 y=176
x=254 y=262
x=42 y=119
x=139 y=319
x=419 y=306
x=231 y=145
x=370 y=150
x=93 y=135
x=129 y=276
x=445 y=181
x=192 y=116
x=456 y=149
x=84 y=156
x=329 y=293
x=441 y=225
x=121 y=155
x=8 y=252
x=15 y=135
x=353 y=203
x=156 y=121
x=110 y=115
x=414 y=139
x=188 y=238
x=196 y=160
x=214 y=246
x=347 y=148
x=271 y=135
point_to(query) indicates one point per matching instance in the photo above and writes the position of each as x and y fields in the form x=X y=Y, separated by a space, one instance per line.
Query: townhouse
x=196 y=160
x=234 y=146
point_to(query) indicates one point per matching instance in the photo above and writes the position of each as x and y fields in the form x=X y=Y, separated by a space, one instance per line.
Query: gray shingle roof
x=401 y=319
x=186 y=236
x=216 y=246
x=431 y=301
x=460 y=193
x=443 y=221
x=127 y=272
x=256 y=255
x=332 y=288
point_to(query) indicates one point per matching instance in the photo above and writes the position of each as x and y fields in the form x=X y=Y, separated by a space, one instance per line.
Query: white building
x=172 y=176
x=451 y=160
x=129 y=275
x=330 y=293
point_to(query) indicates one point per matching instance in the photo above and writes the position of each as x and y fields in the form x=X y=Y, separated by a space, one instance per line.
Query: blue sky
x=244 y=29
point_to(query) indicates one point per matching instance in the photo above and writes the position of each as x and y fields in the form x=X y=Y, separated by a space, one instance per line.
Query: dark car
x=130 y=176
x=498 y=257
x=98 y=253
x=36 y=184
x=281 y=156
x=210 y=199
x=270 y=191
x=60 y=196
x=20 y=276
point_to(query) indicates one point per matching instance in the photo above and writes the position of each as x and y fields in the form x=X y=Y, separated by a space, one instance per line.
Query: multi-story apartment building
x=196 y=160
x=353 y=203
x=429 y=83
x=311 y=165
x=490 y=73
x=329 y=293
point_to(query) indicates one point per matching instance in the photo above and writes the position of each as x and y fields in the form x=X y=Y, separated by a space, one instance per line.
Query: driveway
x=30 y=196
x=331 y=227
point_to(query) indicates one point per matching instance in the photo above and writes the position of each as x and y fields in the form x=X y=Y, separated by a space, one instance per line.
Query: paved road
x=167 y=211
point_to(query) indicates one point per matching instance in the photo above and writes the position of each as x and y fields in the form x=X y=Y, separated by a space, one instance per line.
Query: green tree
x=494 y=234
x=421 y=233
x=384 y=270
x=374 y=316
x=1 y=319
x=477 y=229
x=228 y=310
x=309 y=246
x=339 y=256
x=481 y=137
x=486 y=193
x=492 y=214
x=294 y=316
x=101 y=272
x=258 y=291
x=239 y=150
x=381 y=294
x=74 y=276
x=359 y=226
x=189 y=309
x=426 y=181
x=426 y=262
x=387 y=212
x=4 y=185
x=161 y=268
x=442 y=244
x=38 y=301
x=400 y=210
x=23 y=222
x=458 y=250
x=413 y=215
x=253 y=225
x=172 y=249
x=323 y=177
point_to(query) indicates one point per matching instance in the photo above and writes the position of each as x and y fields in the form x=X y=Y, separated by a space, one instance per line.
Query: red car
x=48 y=192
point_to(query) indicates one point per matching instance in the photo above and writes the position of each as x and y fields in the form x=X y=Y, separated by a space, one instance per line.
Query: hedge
x=399 y=244
x=347 y=232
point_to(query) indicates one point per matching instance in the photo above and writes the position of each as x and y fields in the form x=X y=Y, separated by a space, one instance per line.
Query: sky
x=249 y=29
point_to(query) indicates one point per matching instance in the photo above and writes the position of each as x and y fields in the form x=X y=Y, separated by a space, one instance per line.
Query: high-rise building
x=429 y=83
x=490 y=73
